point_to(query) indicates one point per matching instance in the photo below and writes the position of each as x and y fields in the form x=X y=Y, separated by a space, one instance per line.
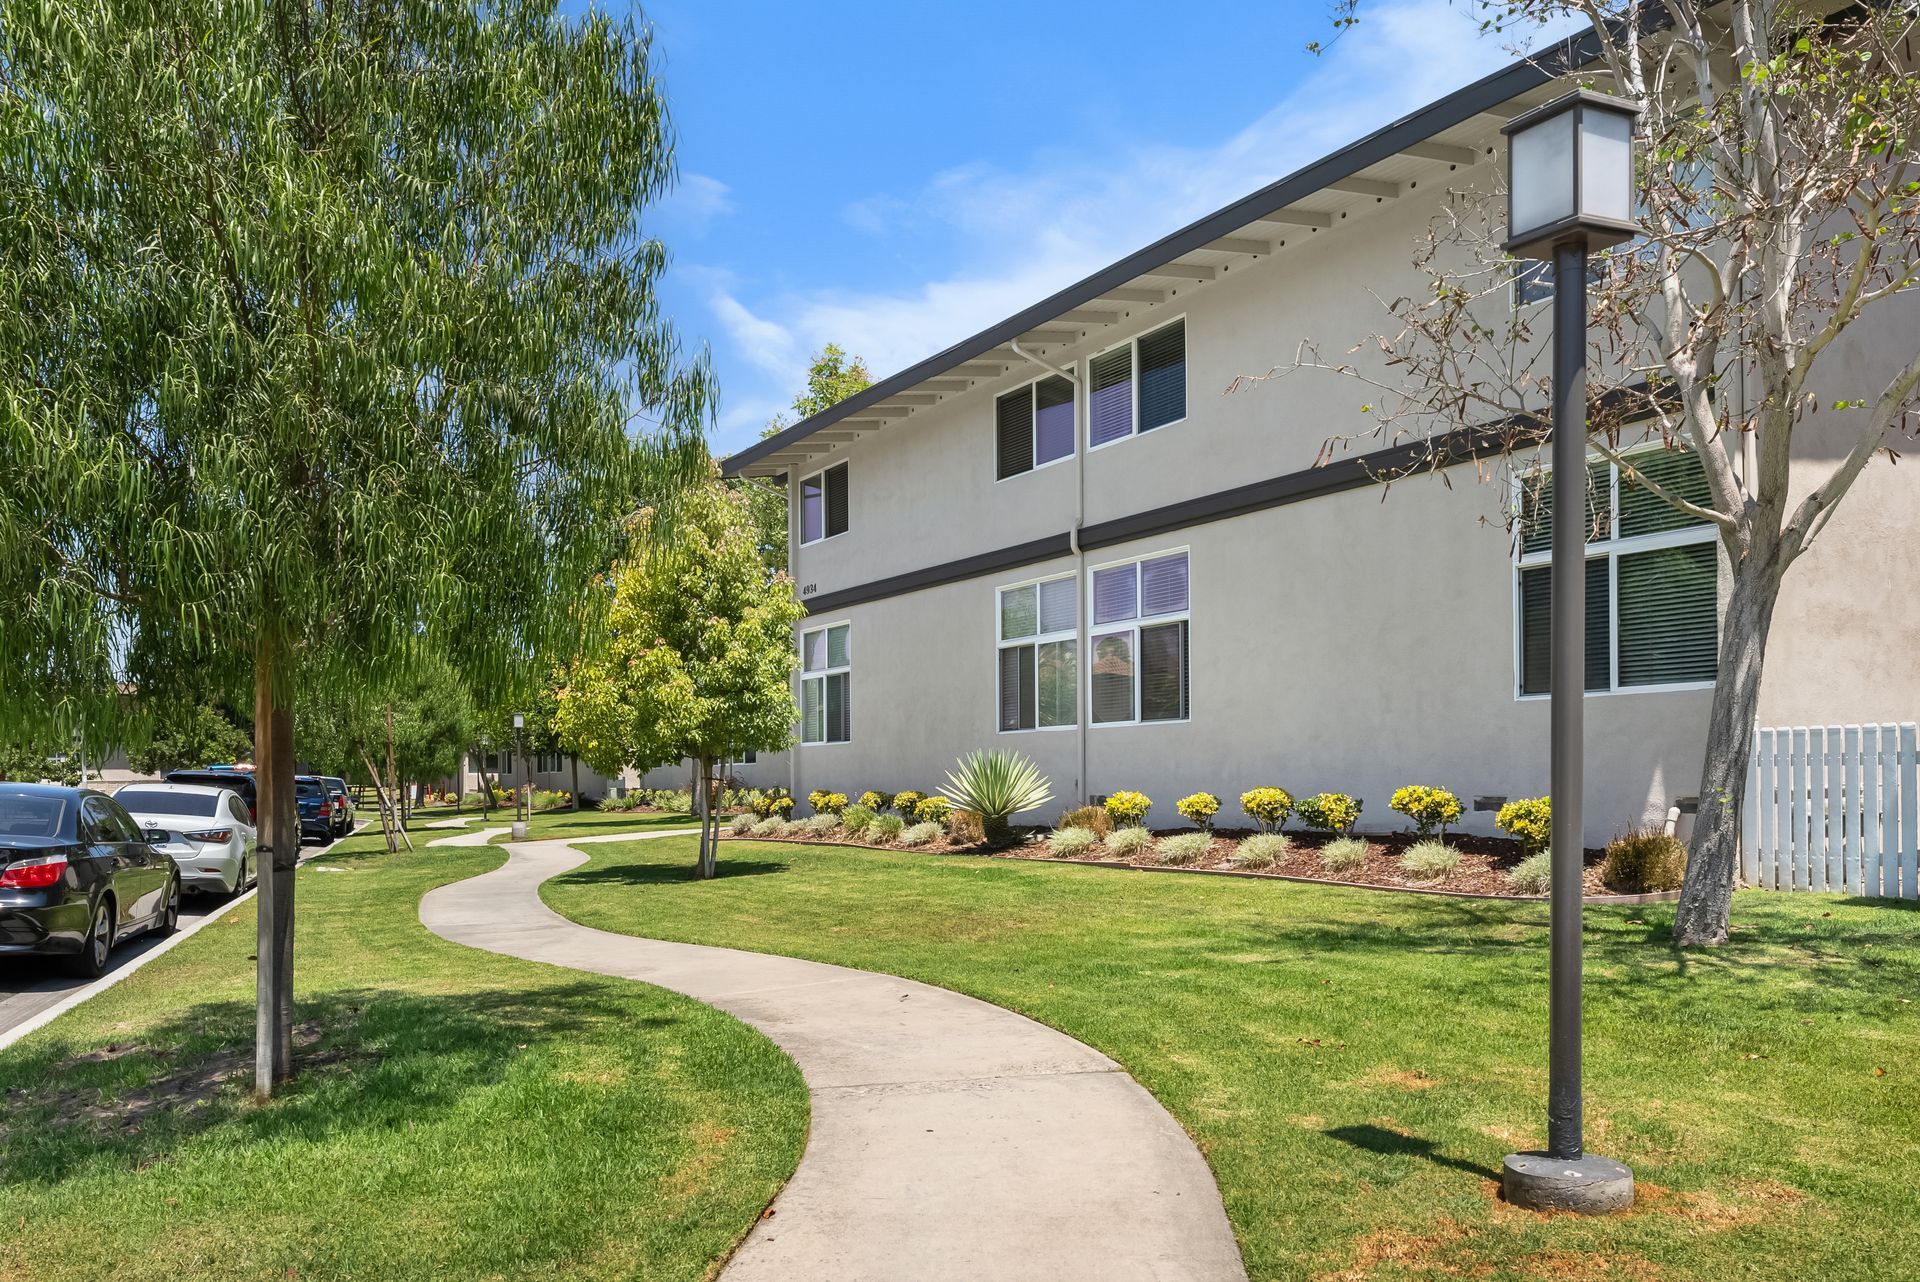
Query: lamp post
x=1570 y=191
x=521 y=802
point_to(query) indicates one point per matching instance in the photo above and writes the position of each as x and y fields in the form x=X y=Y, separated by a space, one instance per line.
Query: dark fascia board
x=1457 y=107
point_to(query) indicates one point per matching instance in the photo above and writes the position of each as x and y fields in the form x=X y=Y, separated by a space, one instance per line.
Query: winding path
x=951 y=1139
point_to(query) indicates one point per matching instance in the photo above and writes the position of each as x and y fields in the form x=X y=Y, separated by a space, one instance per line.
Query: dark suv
x=315 y=805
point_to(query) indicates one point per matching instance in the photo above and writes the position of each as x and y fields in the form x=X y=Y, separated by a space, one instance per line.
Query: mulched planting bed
x=1484 y=861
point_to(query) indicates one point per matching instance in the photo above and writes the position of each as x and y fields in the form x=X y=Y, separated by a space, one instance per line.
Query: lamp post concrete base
x=1585 y=1185
x=519 y=830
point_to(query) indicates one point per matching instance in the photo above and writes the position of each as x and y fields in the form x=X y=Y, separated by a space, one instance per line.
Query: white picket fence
x=1834 y=808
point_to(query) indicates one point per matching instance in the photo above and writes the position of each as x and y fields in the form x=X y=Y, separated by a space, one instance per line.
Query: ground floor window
x=826 y=685
x=1038 y=656
x=1139 y=663
x=1652 y=579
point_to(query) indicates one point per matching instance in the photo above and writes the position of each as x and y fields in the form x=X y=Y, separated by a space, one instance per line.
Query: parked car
x=342 y=801
x=242 y=785
x=316 y=810
x=76 y=877
x=205 y=830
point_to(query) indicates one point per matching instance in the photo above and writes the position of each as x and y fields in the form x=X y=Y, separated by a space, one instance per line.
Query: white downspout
x=1080 y=411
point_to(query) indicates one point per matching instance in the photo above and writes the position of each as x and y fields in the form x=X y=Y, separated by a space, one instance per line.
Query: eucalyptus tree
x=1766 y=323
x=321 y=327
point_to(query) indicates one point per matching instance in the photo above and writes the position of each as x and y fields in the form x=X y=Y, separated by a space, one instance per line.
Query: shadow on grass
x=373 y=1060
x=1378 y=1139
x=656 y=874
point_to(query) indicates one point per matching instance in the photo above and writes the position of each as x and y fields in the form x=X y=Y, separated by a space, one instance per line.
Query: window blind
x=1116 y=594
x=1057 y=605
x=1057 y=682
x=1669 y=615
x=1163 y=585
x=1644 y=512
x=1052 y=420
x=1163 y=376
x=1013 y=433
x=1163 y=672
x=1110 y=402
x=1536 y=622
x=1112 y=679
x=1016 y=688
x=835 y=478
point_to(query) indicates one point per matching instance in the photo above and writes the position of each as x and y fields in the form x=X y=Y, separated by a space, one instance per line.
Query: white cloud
x=1020 y=234
x=695 y=201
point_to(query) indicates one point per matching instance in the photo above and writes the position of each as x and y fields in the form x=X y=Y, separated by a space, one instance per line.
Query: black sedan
x=76 y=877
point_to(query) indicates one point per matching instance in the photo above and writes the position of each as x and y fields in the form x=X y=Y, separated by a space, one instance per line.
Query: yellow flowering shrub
x=1429 y=808
x=1328 y=811
x=1529 y=821
x=1199 y=809
x=904 y=802
x=933 y=810
x=874 y=800
x=827 y=803
x=1268 y=807
x=1128 y=809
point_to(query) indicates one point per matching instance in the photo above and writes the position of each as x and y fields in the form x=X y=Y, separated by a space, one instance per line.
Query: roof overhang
x=1255 y=226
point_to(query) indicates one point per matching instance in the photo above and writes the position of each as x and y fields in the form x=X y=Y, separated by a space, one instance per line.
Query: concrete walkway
x=951 y=1139
x=478 y=837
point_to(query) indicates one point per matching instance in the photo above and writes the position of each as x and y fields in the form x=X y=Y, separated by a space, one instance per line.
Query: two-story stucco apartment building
x=1062 y=537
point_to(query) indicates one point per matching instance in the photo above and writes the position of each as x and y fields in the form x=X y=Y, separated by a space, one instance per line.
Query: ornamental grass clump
x=1328 y=811
x=920 y=835
x=933 y=810
x=1431 y=809
x=1129 y=809
x=1262 y=850
x=997 y=786
x=1094 y=819
x=823 y=825
x=1068 y=842
x=1645 y=860
x=740 y=825
x=1532 y=875
x=1199 y=809
x=1268 y=807
x=795 y=828
x=1343 y=855
x=855 y=818
x=1126 y=843
x=886 y=827
x=768 y=828
x=1182 y=848
x=903 y=803
x=827 y=803
x=1528 y=821
x=1428 y=860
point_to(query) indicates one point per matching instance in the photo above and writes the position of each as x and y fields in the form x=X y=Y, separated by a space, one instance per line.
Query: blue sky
x=895 y=176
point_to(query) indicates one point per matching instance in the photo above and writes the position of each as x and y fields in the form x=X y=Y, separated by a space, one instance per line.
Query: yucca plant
x=996 y=786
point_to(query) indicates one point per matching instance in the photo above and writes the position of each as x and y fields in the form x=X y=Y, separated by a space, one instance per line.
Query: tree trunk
x=1713 y=861
x=576 y=782
x=703 y=806
x=279 y=819
x=393 y=777
x=388 y=828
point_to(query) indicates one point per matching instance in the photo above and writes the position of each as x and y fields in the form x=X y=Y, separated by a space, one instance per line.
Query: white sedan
x=203 y=829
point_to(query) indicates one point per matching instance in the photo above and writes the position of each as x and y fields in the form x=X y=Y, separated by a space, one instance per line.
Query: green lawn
x=586 y=823
x=461 y=1116
x=1355 y=1064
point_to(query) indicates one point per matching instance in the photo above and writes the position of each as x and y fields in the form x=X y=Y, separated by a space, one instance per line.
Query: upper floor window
x=826 y=677
x=1138 y=386
x=823 y=504
x=1652 y=579
x=1033 y=426
x=1038 y=658
x=1139 y=638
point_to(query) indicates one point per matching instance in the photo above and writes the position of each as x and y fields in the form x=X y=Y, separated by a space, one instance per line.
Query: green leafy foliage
x=1328 y=811
x=885 y=827
x=856 y=817
x=1645 y=860
x=1528 y=821
x=996 y=786
x=195 y=734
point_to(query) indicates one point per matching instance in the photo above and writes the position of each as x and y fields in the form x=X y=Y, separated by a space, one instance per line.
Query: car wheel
x=91 y=961
x=240 y=881
x=170 y=916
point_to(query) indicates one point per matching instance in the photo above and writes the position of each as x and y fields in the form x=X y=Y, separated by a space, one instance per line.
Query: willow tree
x=699 y=655
x=321 y=327
x=1773 y=292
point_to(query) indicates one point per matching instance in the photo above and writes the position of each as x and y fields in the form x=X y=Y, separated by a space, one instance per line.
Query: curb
x=79 y=996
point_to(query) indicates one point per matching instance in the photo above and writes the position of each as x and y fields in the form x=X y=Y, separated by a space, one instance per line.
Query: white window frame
x=1610 y=549
x=1077 y=382
x=1037 y=640
x=1097 y=630
x=806 y=542
x=1134 y=380
x=821 y=675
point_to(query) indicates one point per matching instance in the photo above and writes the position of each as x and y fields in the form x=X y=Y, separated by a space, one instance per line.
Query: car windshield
x=32 y=816
x=161 y=801
x=309 y=789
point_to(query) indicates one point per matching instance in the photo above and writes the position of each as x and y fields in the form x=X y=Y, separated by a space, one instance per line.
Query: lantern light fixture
x=1570 y=174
